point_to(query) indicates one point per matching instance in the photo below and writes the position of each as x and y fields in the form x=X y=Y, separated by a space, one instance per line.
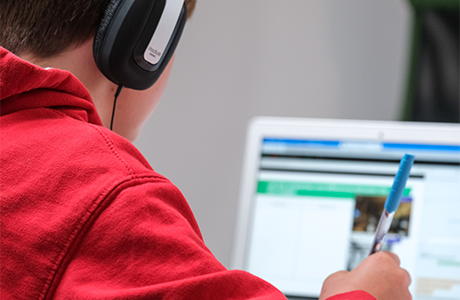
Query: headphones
x=136 y=39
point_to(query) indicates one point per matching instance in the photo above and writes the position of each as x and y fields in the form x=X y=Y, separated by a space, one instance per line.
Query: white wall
x=243 y=58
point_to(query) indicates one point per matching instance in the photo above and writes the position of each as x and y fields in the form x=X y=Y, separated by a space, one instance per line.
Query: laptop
x=313 y=190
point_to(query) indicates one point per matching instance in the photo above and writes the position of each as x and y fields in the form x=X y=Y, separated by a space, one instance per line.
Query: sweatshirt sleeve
x=146 y=245
x=355 y=295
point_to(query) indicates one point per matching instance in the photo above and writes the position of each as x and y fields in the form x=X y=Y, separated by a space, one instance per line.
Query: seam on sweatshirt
x=108 y=141
x=90 y=215
x=113 y=149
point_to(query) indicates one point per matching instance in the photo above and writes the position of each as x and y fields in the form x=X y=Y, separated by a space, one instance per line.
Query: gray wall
x=244 y=58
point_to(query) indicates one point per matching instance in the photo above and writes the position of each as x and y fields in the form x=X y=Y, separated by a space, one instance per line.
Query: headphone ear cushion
x=109 y=12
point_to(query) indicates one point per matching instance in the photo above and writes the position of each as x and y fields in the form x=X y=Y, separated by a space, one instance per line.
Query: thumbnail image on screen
x=368 y=210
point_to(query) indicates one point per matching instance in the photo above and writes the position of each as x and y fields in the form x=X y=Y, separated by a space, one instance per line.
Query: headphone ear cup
x=103 y=27
x=122 y=41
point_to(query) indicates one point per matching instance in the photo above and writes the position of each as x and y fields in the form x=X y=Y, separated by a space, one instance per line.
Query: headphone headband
x=160 y=40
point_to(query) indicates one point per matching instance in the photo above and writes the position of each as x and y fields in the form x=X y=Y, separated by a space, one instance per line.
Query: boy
x=83 y=214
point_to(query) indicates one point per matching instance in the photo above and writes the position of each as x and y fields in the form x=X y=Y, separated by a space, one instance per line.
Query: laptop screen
x=316 y=204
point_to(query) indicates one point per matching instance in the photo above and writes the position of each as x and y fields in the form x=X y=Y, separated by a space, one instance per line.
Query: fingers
x=406 y=276
x=393 y=257
x=334 y=284
x=380 y=275
x=402 y=274
x=340 y=273
x=336 y=276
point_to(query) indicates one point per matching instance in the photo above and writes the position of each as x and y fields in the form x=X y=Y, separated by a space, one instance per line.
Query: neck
x=80 y=62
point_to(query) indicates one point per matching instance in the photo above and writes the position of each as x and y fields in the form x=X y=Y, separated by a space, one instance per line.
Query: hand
x=379 y=274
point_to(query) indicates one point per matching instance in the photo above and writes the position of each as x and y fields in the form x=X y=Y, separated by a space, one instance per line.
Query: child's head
x=59 y=34
x=45 y=28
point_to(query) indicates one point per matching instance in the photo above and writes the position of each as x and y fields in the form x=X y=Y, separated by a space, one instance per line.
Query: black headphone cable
x=117 y=93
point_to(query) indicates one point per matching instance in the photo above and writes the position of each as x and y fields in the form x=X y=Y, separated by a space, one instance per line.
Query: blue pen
x=392 y=202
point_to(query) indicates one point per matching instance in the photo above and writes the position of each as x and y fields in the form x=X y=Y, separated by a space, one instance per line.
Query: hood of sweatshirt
x=26 y=86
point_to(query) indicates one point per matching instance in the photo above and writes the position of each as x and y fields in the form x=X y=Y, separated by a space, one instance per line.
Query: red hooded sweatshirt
x=84 y=216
